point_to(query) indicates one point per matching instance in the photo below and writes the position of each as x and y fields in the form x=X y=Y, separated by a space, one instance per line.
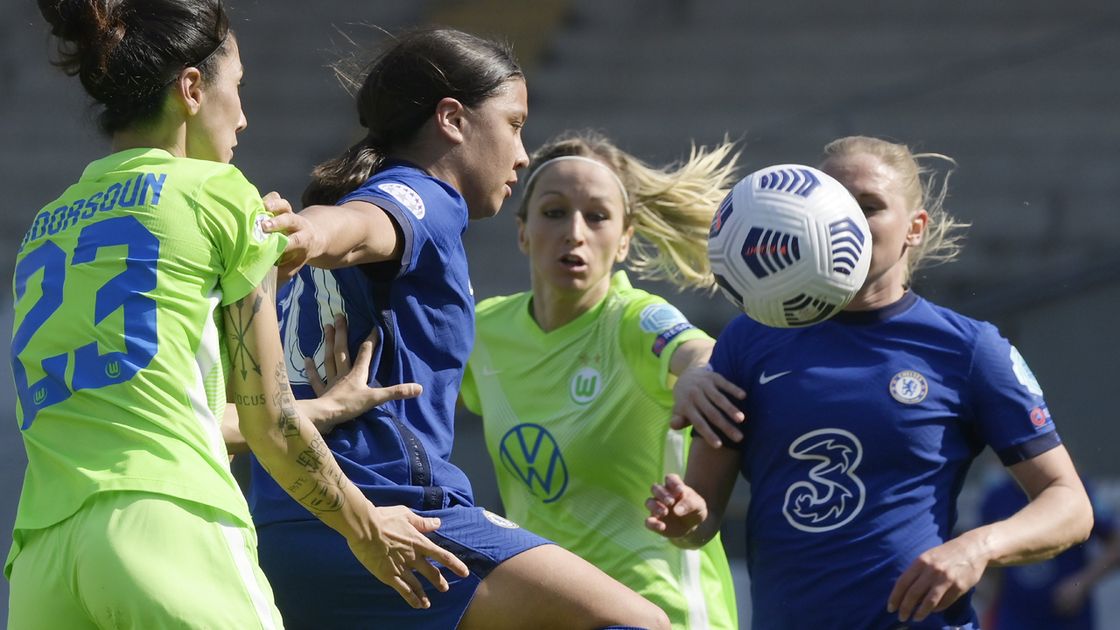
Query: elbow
x=1085 y=522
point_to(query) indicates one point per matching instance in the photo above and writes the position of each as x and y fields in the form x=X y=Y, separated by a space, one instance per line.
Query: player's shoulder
x=189 y=171
x=631 y=301
x=500 y=308
x=968 y=329
x=411 y=189
x=743 y=329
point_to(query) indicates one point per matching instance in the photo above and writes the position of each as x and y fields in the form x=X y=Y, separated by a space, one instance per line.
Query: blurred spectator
x=1056 y=594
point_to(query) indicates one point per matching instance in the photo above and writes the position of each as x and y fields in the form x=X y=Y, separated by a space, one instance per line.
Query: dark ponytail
x=128 y=52
x=399 y=93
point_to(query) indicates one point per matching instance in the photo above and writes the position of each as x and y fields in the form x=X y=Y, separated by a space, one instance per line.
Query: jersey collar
x=121 y=159
x=864 y=318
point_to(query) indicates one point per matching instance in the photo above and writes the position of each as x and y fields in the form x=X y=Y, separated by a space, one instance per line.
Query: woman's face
x=895 y=226
x=212 y=132
x=574 y=227
x=492 y=149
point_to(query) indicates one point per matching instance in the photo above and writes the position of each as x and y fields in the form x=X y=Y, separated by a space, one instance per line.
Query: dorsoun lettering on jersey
x=116 y=352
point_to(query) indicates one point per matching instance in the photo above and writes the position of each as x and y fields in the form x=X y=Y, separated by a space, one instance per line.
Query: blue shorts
x=318 y=583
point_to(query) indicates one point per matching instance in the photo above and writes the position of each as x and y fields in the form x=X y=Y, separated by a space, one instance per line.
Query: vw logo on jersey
x=531 y=453
x=909 y=387
x=586 y=385
x=405 y=196
x=832 y=495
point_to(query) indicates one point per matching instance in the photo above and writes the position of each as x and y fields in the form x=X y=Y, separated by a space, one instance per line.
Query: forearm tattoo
x=319 y=484
x=322 y=491
x=289 y=417
x=240 y=321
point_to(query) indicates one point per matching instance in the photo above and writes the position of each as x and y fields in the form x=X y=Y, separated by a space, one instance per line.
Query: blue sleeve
x=723 y=356
x=405 y=206
x=1008 y=407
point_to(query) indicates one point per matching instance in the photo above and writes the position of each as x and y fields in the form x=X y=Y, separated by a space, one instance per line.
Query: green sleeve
x=468 y=392
x=230 y=211
x=650 y=331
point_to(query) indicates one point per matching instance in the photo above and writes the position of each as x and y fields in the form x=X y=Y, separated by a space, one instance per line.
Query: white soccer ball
x=789 y=246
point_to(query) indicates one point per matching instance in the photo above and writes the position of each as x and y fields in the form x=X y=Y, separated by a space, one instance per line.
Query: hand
x=346 y=386
x=398 y=547
x=1070 y=595
x=303 y=240
x=700 y=398
x=937 y=578
x=675 y=509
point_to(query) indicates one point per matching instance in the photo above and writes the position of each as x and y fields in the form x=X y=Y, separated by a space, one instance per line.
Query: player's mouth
x=573 y=262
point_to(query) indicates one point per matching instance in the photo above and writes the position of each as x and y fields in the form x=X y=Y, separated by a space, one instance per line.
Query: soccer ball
x=789 y=246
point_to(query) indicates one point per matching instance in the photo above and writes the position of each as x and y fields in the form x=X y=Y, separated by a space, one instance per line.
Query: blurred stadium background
x=1018 y=93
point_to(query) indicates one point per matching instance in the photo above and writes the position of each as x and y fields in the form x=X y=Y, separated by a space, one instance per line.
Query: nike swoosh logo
x=764 y=379
x=489 y=371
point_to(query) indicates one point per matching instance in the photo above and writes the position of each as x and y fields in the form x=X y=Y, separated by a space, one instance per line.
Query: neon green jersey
x=117 y=348
x=576 y=422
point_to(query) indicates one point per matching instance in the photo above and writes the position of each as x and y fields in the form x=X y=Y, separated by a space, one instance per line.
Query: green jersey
x=577 y=425
x=117 y=355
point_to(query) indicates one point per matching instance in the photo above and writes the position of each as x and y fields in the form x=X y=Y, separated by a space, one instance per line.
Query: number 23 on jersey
x=52 y=269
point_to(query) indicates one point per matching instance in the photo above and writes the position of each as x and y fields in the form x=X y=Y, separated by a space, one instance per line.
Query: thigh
x=41 y=594
x=151 y=561
x=320 y=586
x=550 y=587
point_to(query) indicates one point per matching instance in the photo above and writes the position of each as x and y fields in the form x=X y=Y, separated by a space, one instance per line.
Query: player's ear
x=522 y=238
x=918 y=223
x=187 y=89
x=450 y=118
x=624 y=244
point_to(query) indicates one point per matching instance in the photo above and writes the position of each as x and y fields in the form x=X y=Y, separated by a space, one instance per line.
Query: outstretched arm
x=389 y=542
x=1058 y=516
x=703 y=398
x=689 y=513
x=330 y=237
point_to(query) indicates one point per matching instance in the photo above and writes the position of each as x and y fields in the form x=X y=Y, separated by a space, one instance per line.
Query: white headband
x=580 y=158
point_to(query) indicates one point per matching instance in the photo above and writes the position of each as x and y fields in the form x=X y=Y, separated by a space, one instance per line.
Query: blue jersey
x=859 y=433
x=398 y=453
x=1026 y=592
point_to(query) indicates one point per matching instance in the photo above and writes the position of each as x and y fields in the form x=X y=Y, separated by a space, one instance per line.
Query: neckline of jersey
x=114 y=161
x=619 y=282
x=879 y=315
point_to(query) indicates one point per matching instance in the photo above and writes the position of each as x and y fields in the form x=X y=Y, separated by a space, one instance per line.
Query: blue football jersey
x=398 y=453
x=859 y=433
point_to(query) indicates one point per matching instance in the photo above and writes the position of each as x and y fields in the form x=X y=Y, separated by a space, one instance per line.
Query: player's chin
x=492 y=207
